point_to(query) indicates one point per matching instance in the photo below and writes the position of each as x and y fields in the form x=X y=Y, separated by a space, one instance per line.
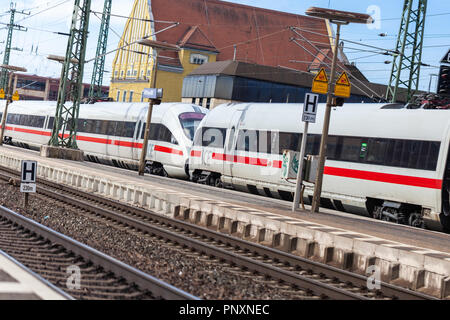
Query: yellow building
x=208 y=31
x=133 y=65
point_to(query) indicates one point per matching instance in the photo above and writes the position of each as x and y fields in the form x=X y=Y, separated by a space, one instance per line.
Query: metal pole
x=298 y=187
x=26 y=200
x=149 y=118
x=326 y=126
x=5 y=112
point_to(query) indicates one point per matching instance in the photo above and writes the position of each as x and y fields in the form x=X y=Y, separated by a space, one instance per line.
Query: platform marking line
x=13 y=287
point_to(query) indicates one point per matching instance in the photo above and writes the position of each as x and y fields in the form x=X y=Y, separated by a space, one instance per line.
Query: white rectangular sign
x=28 y=187
x=29 y=171
x=152 y=93
x=310 y=108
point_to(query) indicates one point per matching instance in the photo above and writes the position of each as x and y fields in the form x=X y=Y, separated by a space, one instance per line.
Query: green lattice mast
x=95 y=91
x=7 y=53
x=406 y=66
x=71 y=84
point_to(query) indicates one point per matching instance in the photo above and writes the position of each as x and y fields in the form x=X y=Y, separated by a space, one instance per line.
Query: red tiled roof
x=262 y=36
x=196 y=39
x=319 y=60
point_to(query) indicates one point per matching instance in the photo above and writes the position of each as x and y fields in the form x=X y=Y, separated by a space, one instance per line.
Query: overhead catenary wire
x=134 y=42
x=132 y=18
x=344 y=40
x=42 y=11
x=340 y=67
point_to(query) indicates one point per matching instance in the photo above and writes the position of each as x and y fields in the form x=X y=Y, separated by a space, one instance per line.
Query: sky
x=49 y=16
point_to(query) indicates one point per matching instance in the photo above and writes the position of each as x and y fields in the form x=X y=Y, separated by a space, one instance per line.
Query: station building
x=210 y=31
x=236 y=81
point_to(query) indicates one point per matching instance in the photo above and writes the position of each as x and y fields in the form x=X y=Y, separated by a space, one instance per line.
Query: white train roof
x=365 y=120
x=106 y=110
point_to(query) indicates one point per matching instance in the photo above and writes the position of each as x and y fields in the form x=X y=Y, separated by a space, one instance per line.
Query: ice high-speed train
x=112 y=133
x=383 y=160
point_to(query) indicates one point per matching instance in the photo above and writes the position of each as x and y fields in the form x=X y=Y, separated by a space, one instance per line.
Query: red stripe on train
x=128 y=144
x=41 y=133
x=168 y=150
x=196 y=154
x=240 y=159
x=100 y=140
x=384 y=177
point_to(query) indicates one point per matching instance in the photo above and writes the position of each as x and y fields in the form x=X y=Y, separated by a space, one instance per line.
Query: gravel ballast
x=190 y=272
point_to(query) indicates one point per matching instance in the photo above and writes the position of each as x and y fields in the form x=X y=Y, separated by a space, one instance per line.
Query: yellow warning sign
x=320 y=83
x=343 y=86
x=2 y=94
x=15 y=96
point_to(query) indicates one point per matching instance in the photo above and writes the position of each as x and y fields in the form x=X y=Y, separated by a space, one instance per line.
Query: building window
x=198 y=59
x=135 y=73
x=118 y=96
x=128 y=73
x=124 y=99
x=131 y=96
x=116 y=73
x=200 y=102
x=208 y=103
x=142 y=74
x=121 y=74
x=193 y=100
x=148 y=73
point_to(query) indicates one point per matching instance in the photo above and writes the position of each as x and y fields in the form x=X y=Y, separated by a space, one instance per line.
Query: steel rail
x=288 y=259
x=144 y=281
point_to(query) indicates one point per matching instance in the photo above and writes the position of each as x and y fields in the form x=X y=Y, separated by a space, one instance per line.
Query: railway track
x=309 y=278
x=56 y=258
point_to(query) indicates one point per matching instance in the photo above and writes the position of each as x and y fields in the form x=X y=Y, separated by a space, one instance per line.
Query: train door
x=445 y=215
x=230 y=143
x=136 y=141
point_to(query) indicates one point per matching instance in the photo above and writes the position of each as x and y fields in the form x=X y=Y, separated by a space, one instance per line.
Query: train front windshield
x=190 y=121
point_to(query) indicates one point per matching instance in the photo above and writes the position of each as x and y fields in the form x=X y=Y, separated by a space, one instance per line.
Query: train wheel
x=415 y=220
x=218 y=183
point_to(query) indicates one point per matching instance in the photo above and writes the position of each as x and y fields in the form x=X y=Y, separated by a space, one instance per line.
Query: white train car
x=112 y=133
x=382 y=160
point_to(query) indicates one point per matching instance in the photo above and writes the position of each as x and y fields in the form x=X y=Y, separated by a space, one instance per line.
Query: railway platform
x=414 y=258
x=19 y=283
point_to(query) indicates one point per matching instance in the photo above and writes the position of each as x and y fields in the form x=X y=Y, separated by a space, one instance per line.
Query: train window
x=289 y=141
x=128 y=129
x=111 y=128
x=351 y=149
x=164 y=134
x=213 y=137
x=159 y=132
x=51 y=121
x=189 y=122
x=332 y=147
x=247 y=141
x=26 y=120
x=376 y=151
x=264 y=142
x=397 y=153
x=313 y=144
x=433 y=156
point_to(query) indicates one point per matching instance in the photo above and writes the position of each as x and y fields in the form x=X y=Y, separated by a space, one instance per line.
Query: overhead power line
x=132 y=18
